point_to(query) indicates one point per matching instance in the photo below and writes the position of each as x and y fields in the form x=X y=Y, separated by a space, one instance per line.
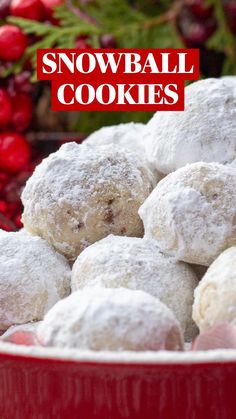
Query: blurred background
x=29 y=130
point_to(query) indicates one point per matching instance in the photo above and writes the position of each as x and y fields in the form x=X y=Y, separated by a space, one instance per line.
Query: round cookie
x=33 y=277
x=191 y=213
x=205 y=131
x=128 y=136
x=80 y=194
x=215 y=296
x=138 y=264
x=110 y=319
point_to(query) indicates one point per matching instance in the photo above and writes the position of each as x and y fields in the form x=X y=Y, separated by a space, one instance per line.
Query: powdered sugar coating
x=33 y=277
x=128 y=136
x=205 y=131
x=230 y=80
x=138 y=264
x=81 y=194
x=215 y=296
x=110 y=319
x=192 y=212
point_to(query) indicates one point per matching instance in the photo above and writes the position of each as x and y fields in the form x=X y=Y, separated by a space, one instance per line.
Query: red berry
x=199 y=8
x=22 y=82
x=50 y=5
x=3 y=207
x=28 y=9
x=14 y=152
x=6 y=224
x=22 y=111
x=81 y=42
x=194 y=31
x=108 y=41
x=3 y=181
x=4 y=8
x=4 y=177
x=197 y=33
x=13 y=207
x=13 y=43
x=5 y=108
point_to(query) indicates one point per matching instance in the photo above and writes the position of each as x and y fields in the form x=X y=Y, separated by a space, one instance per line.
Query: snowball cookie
x=205 y=131
x=215 y=296
x=110 y=319
x=81 y=194
x=192 y=212
x=33 y=277
x=138 y=264
x=127 y=136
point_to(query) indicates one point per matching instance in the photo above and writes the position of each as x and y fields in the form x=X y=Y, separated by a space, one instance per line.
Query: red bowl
x=39 y=383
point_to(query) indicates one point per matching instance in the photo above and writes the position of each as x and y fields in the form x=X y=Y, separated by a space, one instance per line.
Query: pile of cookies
x=119 y=233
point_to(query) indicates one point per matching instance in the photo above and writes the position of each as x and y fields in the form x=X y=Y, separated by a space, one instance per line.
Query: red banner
x=118 y=80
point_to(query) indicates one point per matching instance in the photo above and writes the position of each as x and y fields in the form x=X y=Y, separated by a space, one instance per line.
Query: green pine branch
x=130 y=26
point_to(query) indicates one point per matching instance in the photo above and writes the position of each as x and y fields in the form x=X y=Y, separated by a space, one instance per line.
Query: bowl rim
x=164 y=358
